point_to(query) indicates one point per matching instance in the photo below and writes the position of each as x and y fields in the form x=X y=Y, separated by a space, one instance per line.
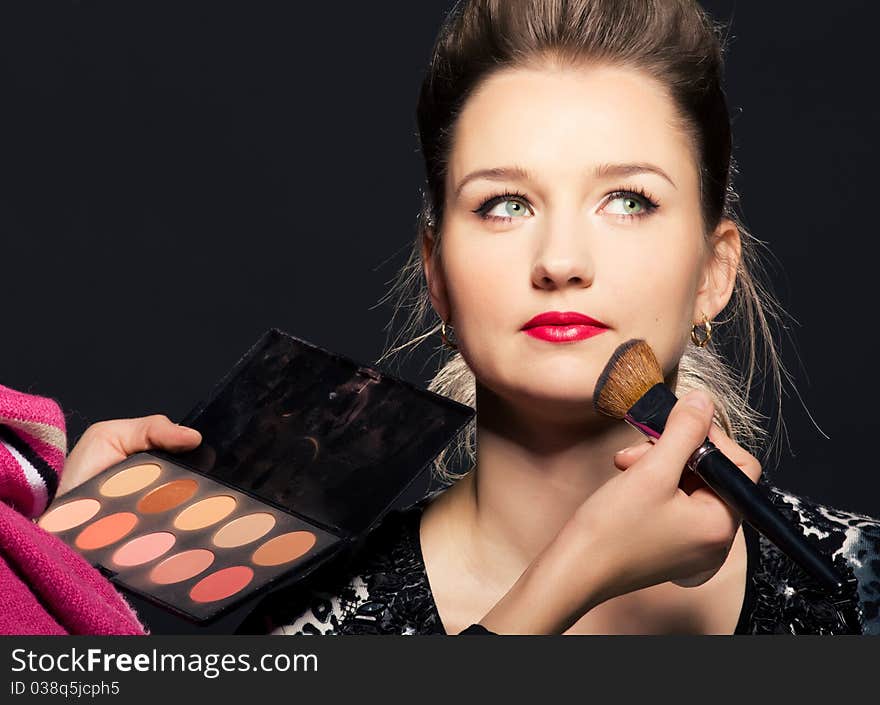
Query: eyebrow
x=601 y=171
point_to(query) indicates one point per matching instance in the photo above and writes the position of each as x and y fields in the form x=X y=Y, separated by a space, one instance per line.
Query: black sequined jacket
x=385 y=590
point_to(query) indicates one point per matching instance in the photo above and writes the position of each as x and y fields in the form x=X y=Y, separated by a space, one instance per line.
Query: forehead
x=564 y=121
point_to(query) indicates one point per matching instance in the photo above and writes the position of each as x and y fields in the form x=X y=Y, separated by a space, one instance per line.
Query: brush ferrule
x=650 y=412
x=642 y=428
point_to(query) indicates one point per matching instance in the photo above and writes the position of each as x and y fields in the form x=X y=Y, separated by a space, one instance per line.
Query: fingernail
x=624 y=450
x=698 y=400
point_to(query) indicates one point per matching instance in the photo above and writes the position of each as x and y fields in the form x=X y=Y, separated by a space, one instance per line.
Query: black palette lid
x=318 y=434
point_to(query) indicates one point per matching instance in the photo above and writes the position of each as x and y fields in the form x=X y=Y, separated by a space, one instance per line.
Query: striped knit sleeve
x=33 y=447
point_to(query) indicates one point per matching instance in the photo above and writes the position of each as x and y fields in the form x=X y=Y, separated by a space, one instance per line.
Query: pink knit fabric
x=33 y=444
x=45 y=586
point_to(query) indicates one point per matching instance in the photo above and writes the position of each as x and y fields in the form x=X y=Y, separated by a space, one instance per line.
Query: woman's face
x=567 y=223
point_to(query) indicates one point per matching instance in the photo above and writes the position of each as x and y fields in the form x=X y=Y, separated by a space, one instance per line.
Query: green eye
x=510 y=209
x=513 y=205
x=631 y=206
x=634 y=204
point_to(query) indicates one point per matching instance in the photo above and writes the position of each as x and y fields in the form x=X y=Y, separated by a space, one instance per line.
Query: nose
x=562 y=258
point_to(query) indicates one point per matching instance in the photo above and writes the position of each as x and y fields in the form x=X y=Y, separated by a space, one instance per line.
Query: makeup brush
x=631 y=388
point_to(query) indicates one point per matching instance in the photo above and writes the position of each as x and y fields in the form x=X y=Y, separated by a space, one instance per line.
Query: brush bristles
x=632 y=370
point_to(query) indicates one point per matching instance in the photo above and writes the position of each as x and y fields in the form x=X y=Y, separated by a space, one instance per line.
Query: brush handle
x=649 y=415
x=751 y=500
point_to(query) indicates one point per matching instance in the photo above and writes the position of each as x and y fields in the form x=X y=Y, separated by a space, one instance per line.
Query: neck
x=535 y=466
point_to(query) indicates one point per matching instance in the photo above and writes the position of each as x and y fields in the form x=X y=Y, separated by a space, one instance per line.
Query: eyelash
x=640 y=193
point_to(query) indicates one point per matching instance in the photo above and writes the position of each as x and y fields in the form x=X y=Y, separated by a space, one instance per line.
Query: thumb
x=156 y=431
x=108 y=442
x=686 y=429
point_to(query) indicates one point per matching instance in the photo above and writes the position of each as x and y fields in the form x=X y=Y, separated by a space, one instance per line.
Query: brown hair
x=676 y=43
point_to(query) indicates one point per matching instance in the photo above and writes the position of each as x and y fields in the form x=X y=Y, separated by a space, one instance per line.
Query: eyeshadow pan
x=106 y=530
x=182 y=566
x=130 y=480
x=243 y=530
x=284 y=548
x=167 y=496
x=70 y=515
x=205 y=512
x=143 y=549
x=222 y=584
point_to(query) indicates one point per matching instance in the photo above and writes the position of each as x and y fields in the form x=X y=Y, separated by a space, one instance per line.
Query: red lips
x=563 y=326
x=563 y=318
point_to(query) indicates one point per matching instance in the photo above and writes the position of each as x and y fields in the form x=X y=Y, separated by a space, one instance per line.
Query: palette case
x=303 y=452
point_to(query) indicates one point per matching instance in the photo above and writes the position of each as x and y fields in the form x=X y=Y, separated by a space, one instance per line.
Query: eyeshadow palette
x=303 y=451
x=184 y=539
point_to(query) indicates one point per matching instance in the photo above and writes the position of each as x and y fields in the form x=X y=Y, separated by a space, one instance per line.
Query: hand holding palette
x=303 y=452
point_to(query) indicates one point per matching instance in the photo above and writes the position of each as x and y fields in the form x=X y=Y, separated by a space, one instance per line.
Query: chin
x=563 y=411
x=565 y=397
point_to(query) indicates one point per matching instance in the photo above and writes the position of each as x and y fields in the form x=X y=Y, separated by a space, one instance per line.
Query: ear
x=719 y=272
x=432 y=266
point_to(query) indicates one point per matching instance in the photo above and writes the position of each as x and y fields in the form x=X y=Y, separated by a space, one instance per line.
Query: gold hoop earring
x=446 y=341
x=702 y=342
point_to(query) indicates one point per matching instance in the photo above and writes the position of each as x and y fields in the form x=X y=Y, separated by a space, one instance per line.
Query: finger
x=162 y=432
x=744 y=460
x=693 y=485
x=715 y=511
x=156 y=431
x=691 y=482
x=626 y=457
x=686 y=429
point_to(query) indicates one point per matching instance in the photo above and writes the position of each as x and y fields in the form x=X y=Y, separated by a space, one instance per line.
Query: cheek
x=654 y=293
x=480 y=273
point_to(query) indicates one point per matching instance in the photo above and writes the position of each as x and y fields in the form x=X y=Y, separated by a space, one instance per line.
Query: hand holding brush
x=631 y=388
x=690 y=483
x=638 y=529
x=672 y=516
x=657 y=522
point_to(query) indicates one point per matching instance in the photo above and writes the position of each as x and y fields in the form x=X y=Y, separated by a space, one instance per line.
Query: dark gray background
x=176 y=178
